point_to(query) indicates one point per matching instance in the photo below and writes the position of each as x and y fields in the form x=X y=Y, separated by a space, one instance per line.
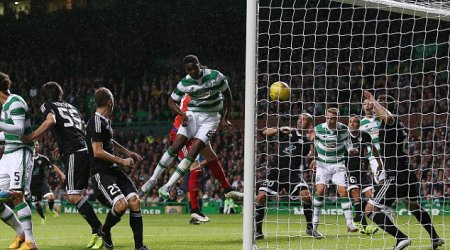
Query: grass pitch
x=70 y=231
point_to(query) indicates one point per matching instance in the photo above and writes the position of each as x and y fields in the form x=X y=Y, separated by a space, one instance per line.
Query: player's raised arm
x=377 y=157
x=379 y=109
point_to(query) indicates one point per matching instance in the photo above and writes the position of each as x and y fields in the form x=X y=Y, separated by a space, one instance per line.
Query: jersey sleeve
x=282 y=136
x=17 y=110
x=17 y=124
x=400 y=134
x=223 y=83
x=47 y=108
x=178 y=92
x=47 y=162
x=95 y=128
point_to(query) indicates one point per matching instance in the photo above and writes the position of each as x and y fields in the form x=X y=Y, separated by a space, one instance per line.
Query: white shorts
x=334 y=172
x=201 y=125
x=374 y=167
x=16 y=169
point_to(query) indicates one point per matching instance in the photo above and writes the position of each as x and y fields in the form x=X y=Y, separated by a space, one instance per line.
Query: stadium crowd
x=82 y=57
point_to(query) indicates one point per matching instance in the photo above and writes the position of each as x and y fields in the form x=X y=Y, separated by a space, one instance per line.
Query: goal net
x=328 y=53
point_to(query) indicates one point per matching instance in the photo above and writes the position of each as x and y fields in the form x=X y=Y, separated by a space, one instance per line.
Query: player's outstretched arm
x=121 y=149
x=380 y=111
x=274 y=131
x=100 y=153
x=49 y=122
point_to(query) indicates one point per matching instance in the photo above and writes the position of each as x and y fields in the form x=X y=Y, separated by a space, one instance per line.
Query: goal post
x=328 y=52
x=249 y=140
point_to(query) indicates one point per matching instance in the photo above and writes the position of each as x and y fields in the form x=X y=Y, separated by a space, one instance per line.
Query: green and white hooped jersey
x=331 y=145
x=372 y=126
x=15 y=106
x=205 y=92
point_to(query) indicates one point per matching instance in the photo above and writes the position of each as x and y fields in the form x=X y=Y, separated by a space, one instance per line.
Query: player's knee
x=305 y=196
x=121 y=206
x=355 y=199
x=74 y=198
x=342 y=192
x=260 y=199
x=134 y=203
x=369 y=209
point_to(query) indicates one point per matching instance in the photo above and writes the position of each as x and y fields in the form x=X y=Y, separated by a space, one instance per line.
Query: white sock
x=318 y=204
x=346 y=205
x=182 y=167
x=166 y=159
x=7 y=215
x=24 y=214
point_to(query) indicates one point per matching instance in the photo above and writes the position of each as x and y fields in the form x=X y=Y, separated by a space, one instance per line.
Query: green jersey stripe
x=206 y=105
x=210 y=76
x=188 y=81
x=17 y=111
x=339 y=152
x=13 y=99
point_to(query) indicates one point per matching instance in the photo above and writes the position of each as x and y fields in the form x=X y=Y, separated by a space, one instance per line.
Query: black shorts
x=112 y=185
x=359 y=179
x=394 y=188
x=78 y=169
x=40 y=191
x=274 y=187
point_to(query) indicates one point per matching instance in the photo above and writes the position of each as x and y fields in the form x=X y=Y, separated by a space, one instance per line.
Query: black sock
x=358 y=212
x=112 y=219
x=385 y=223
x=424 y=218
x=86 y=210
x=260 y=213
x=308 y=212
x=40 y=211
x=363 y=216
x=200 y=204
x=137 y=227
x=51 y=203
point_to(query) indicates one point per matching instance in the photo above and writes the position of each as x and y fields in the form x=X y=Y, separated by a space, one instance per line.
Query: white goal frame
x=398 y=6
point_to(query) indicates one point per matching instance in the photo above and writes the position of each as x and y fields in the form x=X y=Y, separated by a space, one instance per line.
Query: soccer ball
x=279 y=91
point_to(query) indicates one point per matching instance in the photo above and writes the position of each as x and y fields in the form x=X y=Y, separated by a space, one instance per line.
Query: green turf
x=69 y=231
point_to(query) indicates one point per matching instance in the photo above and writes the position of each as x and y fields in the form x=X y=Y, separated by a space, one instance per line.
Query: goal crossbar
x=441 y=12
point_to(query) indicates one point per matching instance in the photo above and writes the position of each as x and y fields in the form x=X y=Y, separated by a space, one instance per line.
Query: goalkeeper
x=294 y=145
x=401 y=181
